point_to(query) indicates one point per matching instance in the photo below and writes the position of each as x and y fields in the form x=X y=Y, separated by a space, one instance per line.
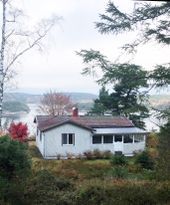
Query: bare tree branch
x=15 y=42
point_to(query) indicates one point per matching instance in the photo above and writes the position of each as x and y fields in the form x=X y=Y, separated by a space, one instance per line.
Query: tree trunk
x=3 y=42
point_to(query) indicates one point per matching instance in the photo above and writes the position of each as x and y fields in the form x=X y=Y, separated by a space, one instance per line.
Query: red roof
x=87 y=122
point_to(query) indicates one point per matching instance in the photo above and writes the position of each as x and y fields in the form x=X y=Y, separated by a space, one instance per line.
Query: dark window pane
x=64 y=138
x=128 y=138
x=139 y=138
x=97 y=139
x=118 y=138
x=108 y=139
x=70 y=139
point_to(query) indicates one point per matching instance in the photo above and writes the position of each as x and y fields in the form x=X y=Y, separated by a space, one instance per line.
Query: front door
x=118 y=143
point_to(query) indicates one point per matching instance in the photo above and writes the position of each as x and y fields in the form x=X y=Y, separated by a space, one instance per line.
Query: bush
x=125 y=193
x=152 y=140
x=18 y=131
x=97 y=154
x=45 y=188
x=120 y=160
x=15 y=167
x=107 y=154
x=89 y=154
x=144 y=160
x=14 y=159
x=119 y=172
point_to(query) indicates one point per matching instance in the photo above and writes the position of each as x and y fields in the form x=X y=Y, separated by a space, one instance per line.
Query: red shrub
x=18 y=131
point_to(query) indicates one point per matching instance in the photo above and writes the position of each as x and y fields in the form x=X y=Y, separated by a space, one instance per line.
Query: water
x=27 y=118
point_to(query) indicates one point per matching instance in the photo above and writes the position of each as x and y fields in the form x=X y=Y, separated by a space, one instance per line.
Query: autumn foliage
x=53 y=103
x=18 y=131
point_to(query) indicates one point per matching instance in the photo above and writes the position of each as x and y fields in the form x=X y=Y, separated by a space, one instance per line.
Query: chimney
x=75 y=112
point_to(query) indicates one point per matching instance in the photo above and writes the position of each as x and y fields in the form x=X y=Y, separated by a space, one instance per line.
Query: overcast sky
x=58 y=67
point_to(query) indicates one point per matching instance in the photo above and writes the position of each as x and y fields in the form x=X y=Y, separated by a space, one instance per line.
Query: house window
x=118 y=138
x=97 y=139
x=64 y=138
x=128 y=138
x=107 y=138
x=138 y=138
x=68 y=138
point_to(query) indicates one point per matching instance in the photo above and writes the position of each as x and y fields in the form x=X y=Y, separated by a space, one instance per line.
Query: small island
x=13 y=107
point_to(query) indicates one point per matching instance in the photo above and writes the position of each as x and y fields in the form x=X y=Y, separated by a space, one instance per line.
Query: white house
x=62 y=135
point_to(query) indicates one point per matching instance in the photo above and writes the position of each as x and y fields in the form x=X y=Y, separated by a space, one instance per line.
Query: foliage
x=46 y=188
x=94 y=182
x=118 y=159
x=127 y=80
x=163 y=162
x=15 y=167
x=14 y=159
x=102 y=104
x=125 y=192
x=97 y=154
x=150 y=20
x=53 y=103
x=152 y=140
x=119 y=172
x=18 y=131
x=130 y=82
x=145 y=160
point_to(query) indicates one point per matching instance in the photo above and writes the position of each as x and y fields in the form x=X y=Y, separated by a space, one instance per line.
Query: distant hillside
x=15 y=106
x=22 y=97
x=32 y=98
x=160 y=101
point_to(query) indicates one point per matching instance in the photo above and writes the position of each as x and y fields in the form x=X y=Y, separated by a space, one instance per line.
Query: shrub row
x=45 y=188
x=97 y=154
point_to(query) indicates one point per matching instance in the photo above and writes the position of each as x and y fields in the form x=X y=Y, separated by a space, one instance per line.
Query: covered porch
x=125 y=140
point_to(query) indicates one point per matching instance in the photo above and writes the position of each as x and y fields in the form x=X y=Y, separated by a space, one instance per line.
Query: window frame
x=128 y=137
x=101 y=141
x=105 y=137
x=69 y=139
x=116 y=135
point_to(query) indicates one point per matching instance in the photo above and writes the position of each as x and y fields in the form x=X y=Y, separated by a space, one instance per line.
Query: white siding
x=130 y=148
x=40 y=142
x=53 y=141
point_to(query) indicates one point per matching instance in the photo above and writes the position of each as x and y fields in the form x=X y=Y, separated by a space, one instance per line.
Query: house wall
x=53 y=141
x=40 y=142
x=130 y=148
x=103 y=147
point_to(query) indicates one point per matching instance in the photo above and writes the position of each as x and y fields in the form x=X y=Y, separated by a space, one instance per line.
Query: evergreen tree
x=131 y=84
